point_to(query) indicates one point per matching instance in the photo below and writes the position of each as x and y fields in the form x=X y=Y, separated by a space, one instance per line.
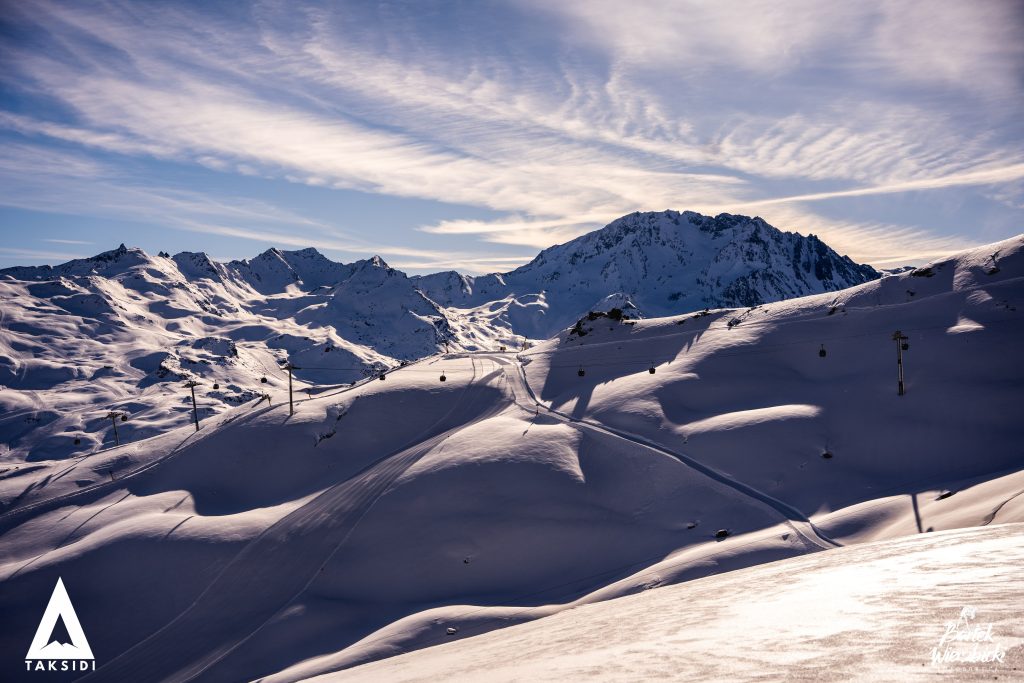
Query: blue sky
x=469 y=135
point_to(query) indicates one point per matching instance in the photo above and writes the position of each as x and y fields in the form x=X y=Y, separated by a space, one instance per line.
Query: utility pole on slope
x=901 y=346
x=289 y=367
x=192 y=384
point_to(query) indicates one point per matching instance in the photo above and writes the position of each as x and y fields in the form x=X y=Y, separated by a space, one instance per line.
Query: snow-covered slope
x=749 y=393
x=404 y=513
x=660 y=262
x=867 y=613
x=275 y=539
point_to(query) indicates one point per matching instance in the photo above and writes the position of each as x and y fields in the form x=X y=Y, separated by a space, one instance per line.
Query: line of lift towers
x=902 y=344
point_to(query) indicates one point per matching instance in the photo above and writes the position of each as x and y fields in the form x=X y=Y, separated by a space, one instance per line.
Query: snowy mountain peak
x=194 y=265
x=307 y=253
x=270 y=254
x=663 y=262
x=275 y=270
x=370 y=272
x=374 y=263
x=448 y=285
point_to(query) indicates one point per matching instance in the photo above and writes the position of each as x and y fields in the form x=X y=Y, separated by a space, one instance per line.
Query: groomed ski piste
x=546 y=486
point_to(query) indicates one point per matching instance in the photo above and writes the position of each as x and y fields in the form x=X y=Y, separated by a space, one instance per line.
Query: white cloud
x=37 y=255
x=758 y=35
x=54 y=240
x=883 y=245
x=986 y=176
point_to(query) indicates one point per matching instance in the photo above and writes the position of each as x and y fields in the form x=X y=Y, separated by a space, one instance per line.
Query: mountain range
x=121 y=329
x=654 y=264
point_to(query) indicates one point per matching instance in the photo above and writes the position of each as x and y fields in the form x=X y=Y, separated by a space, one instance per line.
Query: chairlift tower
x=289 y=366
x=192 y=384
x=112 y=416
x=901 y=346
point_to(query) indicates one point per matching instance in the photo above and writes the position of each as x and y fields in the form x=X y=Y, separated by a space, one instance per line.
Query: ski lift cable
x=366 y=379
x=691 y=332
x=760 y=348
x=620 y=363
x=726 y=331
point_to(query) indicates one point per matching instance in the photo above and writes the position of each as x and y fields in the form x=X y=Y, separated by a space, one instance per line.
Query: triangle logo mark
x=44 y=646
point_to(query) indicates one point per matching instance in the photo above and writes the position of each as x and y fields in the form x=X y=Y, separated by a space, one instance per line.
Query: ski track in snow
x=223 y=615
x=800 y=523
x=796 y=520
x=16 y=512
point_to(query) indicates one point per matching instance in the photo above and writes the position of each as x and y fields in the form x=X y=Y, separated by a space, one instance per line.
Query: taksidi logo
x=60 y=643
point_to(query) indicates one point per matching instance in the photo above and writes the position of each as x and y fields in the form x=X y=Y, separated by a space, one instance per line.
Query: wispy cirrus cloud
x=38 y=254
x=561 y=117
x=972 y=46
x=984 y=176
x=54 y=240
